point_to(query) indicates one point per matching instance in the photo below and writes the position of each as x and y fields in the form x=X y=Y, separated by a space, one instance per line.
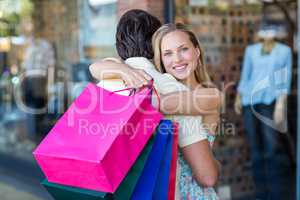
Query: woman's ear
x=198 y=52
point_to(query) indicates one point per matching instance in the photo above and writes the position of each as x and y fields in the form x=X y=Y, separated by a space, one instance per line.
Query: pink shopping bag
x=95 y=143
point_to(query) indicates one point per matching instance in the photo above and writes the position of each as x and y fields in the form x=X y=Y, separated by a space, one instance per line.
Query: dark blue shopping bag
x=157 y=167
x=162 y=183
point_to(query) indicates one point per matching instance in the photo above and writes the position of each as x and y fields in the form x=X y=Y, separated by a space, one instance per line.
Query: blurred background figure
x=38 y=59
x=262 y=96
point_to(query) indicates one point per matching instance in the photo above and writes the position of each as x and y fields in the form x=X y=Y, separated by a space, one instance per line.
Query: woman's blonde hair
x=201 y=73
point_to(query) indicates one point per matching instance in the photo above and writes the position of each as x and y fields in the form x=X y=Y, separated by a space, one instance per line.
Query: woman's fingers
x=141 y=78
x=144 y=74
x=135 y=78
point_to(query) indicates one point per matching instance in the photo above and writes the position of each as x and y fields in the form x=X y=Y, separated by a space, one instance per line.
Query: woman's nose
x=177 y=57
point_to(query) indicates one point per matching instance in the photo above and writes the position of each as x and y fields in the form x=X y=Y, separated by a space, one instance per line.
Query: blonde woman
x=178 y=52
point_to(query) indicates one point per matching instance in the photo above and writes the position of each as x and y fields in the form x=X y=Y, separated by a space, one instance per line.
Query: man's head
x=134 y=34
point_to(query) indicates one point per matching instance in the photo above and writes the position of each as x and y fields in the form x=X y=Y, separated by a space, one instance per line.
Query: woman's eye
x=167 y=54
x=185 y=49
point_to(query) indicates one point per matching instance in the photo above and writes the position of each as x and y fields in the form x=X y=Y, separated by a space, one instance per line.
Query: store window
x=15 y=24
x=225 y=28
x=45 y=50
x=98 y=21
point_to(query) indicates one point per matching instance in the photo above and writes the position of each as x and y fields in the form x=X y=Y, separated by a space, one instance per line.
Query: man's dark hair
x=134 y=33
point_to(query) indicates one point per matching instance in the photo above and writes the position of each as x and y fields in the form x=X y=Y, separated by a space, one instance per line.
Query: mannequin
x=280 y=120
x=262 y=96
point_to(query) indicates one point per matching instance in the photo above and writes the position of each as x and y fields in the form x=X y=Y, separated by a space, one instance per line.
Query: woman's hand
x=134 y=78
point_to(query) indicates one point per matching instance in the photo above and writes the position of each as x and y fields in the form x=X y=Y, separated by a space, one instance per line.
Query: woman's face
x=179 y=56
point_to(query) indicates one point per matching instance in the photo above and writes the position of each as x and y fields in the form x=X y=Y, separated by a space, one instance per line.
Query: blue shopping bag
x=154 y=169
x=162 y=183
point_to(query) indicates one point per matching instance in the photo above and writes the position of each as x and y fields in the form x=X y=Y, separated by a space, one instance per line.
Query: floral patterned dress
x=188 y=187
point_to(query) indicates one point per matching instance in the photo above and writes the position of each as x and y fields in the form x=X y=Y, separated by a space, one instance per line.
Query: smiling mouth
x=180 y=67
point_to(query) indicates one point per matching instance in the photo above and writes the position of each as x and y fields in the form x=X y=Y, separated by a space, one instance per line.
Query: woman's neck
x=191 y=82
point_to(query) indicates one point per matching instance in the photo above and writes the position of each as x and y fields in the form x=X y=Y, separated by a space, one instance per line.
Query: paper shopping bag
x=158 y=164
x=98 y=139
x=167 y=173
x=173 y=172
x=124 y=191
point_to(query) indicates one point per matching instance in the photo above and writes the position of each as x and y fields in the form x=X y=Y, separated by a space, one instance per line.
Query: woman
x=178 y=52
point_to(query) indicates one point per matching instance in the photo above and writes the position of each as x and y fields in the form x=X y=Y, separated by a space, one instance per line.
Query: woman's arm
x=211 y=123
x=108 y=69
x=205 y=167
x=201 y=101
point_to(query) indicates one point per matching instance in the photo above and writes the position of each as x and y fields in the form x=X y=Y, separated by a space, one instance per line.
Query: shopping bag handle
x=134 y=90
